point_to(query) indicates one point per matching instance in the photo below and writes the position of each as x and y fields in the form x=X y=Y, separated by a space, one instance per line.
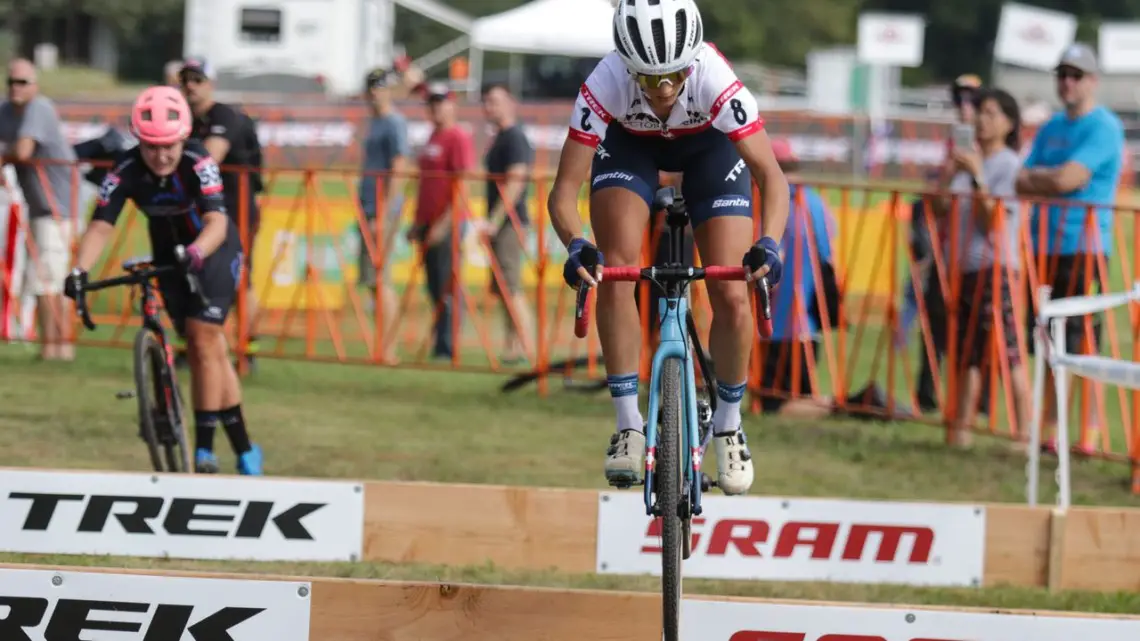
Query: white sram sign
x=740 y=621
x=45 y=605
x=182 y=516
x=803 y=540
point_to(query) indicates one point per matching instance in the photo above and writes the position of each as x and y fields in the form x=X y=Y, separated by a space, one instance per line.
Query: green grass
x=455 y=427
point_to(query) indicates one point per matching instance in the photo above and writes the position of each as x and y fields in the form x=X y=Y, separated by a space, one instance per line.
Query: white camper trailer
x=284 y=45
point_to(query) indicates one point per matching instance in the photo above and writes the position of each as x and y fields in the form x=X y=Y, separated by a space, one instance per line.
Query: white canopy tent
x=581 y=28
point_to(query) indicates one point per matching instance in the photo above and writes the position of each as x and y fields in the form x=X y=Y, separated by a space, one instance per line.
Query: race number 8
x=738 y=112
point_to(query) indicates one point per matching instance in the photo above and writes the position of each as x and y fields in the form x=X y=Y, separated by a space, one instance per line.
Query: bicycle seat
x=138 y=263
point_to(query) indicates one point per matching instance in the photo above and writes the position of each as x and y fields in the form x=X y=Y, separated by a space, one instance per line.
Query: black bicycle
x=161 y=409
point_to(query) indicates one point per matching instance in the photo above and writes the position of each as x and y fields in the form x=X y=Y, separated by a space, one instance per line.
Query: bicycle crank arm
x=122 y=396
x=707 y=482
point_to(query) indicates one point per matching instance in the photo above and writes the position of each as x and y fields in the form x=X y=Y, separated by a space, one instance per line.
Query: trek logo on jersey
x=109 y=185
x=721 y=203
x=613 y=175
x=736 y=171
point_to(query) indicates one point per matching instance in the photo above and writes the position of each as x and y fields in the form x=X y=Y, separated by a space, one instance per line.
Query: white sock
x=726 y=418
x=623 y=390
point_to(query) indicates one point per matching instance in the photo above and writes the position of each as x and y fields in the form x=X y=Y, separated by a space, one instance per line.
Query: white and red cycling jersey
x=712 y=96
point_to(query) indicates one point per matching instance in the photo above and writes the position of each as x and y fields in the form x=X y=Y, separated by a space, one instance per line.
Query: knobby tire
x=151 y=382
x=670 y=481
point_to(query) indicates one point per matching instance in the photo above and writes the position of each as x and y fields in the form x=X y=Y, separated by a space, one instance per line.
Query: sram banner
x=726 y=621
x=803 y=540
x=183 y=516
x=43 y=605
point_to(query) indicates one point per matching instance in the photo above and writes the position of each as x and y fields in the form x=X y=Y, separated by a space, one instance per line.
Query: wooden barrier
x=542 y=529
x=525 y=528
x=369 y=610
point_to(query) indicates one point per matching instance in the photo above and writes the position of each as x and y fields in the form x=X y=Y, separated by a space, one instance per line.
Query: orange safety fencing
x=309 y=249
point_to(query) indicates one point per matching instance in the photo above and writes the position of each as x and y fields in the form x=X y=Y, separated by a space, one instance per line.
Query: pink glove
x=194 y=253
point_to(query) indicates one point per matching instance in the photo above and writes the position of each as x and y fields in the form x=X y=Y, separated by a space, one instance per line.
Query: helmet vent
x=635 y=36
x=682 y=26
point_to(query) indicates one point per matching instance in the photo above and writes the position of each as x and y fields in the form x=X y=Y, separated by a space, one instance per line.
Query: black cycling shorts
x=716 y=181
x=219 y=279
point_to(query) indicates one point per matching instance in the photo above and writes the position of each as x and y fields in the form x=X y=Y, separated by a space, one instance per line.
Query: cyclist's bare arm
x=95 y=238
x=573 y=170
x=108 y=206
x=756 y=151
x=213 y=233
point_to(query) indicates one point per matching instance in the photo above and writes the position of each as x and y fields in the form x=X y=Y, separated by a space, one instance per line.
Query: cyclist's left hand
x=763 y=259
x=74 y=283
x=192 y=258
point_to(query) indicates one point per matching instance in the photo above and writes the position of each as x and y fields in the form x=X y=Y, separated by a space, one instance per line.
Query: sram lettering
x=149 y=515
x=756 y=635
x=74 y=619
x=820 y=540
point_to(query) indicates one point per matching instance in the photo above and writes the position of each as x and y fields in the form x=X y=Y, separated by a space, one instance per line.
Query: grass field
x=370 y=423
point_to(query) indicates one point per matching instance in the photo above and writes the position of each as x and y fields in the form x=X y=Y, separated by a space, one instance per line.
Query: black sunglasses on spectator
x=1075 y=74
x=18 y=82
x=196 y=78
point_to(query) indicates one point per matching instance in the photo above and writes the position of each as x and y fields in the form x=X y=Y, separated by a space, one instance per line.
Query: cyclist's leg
x=622 y=182
x=720 y=205
x=219 y=388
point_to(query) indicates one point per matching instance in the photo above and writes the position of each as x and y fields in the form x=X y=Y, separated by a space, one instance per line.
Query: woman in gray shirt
x=987 y=218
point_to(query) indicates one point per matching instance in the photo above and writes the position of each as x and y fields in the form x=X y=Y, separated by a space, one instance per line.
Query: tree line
x=959 y=33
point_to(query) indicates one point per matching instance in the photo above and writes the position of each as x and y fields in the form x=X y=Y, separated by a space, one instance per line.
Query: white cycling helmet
x=657 y=37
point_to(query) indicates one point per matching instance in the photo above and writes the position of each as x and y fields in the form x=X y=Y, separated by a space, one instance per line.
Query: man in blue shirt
x=1076 y=156
x=384 y=156
x=794 y=325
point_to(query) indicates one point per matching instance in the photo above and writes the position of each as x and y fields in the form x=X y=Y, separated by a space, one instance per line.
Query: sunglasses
x=193 y=78
x=1075 y=74
x=652 y=81
x=18 y=82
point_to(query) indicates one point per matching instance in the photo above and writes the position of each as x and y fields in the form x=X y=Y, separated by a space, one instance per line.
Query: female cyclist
x=665 y=100
x=178 y=187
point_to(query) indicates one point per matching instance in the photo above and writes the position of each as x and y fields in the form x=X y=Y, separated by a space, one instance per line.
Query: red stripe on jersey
x=595 y=105
x=725 y=96
x=590 y=140
x=746 y=130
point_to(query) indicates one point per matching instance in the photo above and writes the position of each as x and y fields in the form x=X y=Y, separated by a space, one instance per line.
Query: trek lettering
x=140 y=515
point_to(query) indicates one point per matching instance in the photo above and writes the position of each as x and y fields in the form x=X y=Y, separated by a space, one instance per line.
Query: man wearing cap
x=230 y=137
x=384 y=152
x=442 y=196
x=1076 y=156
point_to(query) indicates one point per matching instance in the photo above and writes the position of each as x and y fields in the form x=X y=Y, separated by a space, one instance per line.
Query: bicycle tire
x=178 y=431
x=145 y=381
x=670 y=481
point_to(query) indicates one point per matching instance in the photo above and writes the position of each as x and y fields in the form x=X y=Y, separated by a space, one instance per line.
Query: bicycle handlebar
x=137 y=277
x=584 y=299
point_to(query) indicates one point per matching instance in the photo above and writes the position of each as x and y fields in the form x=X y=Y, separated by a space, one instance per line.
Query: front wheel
x=670 y=494
x=160 y=406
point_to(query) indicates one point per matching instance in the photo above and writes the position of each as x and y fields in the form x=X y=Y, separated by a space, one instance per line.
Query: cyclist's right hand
x=191 y=257
x=74 y=283
x=583 y=264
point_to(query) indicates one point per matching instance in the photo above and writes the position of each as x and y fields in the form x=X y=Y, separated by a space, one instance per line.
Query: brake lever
x=582 y=310
x=192 y=281
x=84 y=313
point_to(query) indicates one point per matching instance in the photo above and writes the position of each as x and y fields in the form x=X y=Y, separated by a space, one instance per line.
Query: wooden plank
x=1056 y=549
x=1102 y=549
x=512 y=527
x=1017 y=545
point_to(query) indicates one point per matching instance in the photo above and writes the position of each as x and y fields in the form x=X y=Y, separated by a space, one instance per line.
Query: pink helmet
x=160 y=116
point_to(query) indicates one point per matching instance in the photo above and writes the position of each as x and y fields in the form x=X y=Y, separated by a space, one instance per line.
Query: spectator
x=385 y=152
x=794 y=325
x=441 y=201
x=170 y=73
x=508 y=162
x=30 y=132
x=986 y=175
x=962 y=93
x=230 y=137
x=1076 y=156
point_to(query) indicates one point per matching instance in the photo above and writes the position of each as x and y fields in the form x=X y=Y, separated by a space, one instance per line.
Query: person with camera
x=979 y=202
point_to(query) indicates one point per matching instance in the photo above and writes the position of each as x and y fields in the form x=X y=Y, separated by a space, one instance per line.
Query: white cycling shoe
x=733 y=463
x=625 y=458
